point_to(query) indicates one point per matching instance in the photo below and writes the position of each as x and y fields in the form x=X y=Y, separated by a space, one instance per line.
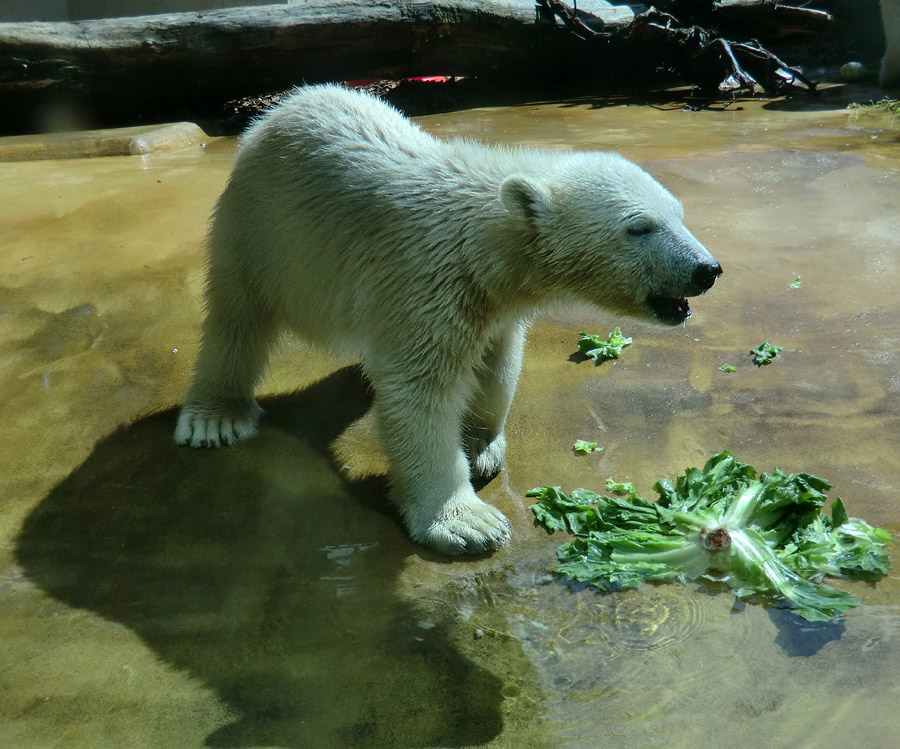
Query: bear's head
x=601 y=229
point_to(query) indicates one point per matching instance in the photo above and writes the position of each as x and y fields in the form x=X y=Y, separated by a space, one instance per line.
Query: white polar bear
x=349 y=225
x=890 y=63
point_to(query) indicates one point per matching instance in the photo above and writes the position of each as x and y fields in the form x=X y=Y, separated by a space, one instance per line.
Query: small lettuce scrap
x=594 y=347
x=618 y=487
x=584 y=447
x=760 y=534
x=765 y=353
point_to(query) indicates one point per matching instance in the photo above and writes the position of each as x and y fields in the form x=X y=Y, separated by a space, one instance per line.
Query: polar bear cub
x=347 y=224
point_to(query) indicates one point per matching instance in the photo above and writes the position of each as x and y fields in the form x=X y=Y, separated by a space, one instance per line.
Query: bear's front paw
x=467 y=526
x=208 y=427
x=486 y=459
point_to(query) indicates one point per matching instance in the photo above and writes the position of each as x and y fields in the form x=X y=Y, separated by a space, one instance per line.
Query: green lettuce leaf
x=583 y=447
x=617 y=487
x=765 y=353
x=601 y=350
x=840 y=545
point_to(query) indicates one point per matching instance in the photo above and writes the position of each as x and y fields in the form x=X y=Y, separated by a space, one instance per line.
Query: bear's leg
x=419 y=421
x=485 y=440
x=219 y=407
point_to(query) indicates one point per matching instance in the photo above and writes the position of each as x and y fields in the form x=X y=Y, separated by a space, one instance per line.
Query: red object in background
x=369 y=81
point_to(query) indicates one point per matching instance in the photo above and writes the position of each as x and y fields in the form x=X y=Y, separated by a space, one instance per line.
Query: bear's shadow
x=267 y=574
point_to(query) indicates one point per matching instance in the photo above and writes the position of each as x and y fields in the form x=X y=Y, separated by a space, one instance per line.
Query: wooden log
x=184 y=65
x=194 y=61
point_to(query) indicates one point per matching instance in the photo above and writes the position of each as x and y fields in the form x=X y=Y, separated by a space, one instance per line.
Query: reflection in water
x=237 y=566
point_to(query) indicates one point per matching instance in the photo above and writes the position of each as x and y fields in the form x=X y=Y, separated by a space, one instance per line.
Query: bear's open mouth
x=668 y=309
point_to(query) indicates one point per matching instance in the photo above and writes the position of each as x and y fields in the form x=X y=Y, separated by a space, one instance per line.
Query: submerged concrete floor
x=265 y=595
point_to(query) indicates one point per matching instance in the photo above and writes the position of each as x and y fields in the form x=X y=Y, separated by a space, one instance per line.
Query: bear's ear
x=525 y=198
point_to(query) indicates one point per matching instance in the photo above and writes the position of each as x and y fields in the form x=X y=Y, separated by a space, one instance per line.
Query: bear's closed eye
x=644 y=227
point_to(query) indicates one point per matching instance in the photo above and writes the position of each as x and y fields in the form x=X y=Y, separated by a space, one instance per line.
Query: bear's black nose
x=705 y=275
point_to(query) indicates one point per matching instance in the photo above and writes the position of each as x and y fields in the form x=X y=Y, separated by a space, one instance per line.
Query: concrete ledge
x=127 y=141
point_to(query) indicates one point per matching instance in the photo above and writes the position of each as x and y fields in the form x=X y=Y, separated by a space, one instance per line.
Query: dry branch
x=700 y=57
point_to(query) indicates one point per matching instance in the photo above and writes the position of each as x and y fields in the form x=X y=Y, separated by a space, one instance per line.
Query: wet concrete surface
x=265 y=595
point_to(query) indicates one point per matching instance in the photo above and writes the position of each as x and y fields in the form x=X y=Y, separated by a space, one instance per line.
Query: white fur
x=349 y=225
x=890 y=63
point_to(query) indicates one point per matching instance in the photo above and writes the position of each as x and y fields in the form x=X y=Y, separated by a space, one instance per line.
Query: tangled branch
x=714 y=64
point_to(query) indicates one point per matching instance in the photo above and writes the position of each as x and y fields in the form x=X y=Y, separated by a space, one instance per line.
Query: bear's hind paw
x=201 y=427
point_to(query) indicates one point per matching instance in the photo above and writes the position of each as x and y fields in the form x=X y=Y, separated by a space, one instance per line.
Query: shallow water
x=265 y=595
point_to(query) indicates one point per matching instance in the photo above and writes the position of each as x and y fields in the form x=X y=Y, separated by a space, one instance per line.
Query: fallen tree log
x=198 y=60
x=123 y=70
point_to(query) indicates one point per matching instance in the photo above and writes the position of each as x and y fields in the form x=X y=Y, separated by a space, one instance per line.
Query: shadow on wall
x=264 y=573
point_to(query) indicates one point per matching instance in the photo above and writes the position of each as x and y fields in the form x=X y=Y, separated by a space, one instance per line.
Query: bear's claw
x=199 y=427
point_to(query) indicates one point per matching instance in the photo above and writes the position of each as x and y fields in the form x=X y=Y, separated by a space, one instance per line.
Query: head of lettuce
x=760 y=534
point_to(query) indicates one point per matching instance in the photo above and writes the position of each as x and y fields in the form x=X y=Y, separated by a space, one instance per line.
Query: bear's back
x=327 y=120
